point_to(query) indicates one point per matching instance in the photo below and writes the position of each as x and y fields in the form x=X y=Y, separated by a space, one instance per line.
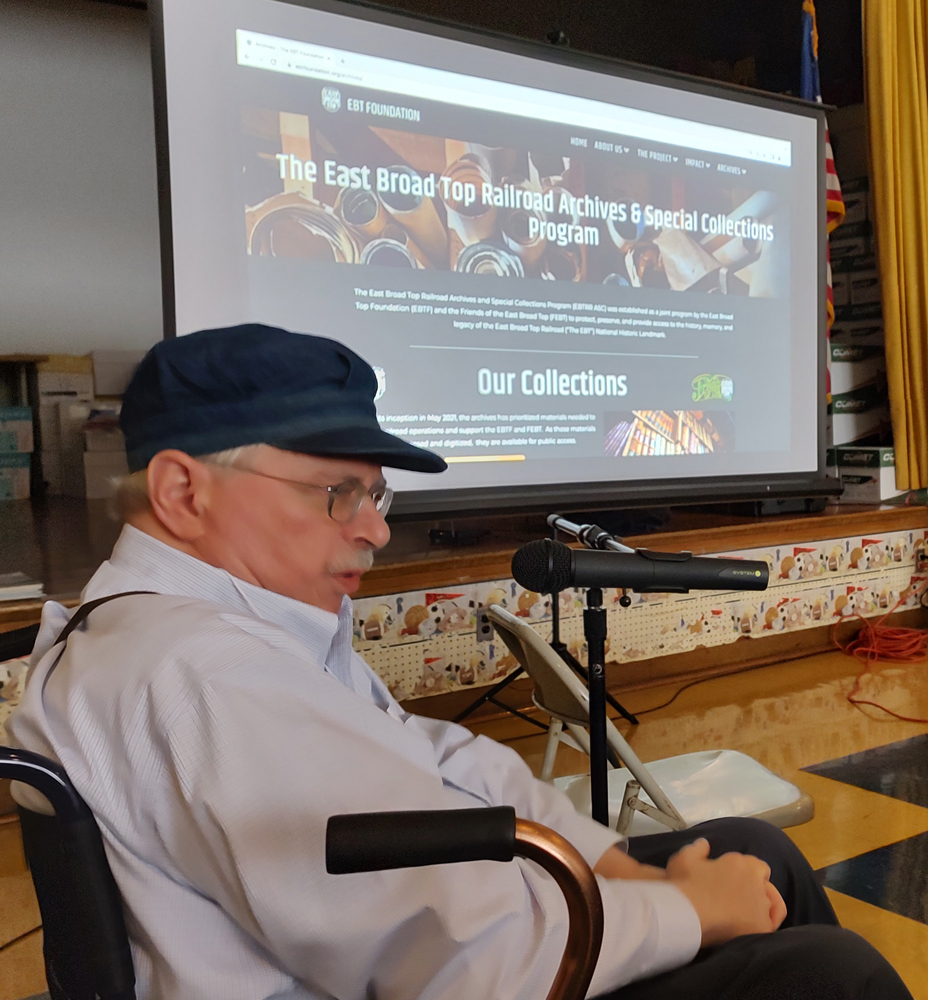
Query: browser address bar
x=318 y=62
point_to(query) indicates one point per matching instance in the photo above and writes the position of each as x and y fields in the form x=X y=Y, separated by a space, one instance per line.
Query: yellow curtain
x=896 y=73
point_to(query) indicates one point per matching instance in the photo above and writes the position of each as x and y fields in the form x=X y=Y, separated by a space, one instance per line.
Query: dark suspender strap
x=79 y=616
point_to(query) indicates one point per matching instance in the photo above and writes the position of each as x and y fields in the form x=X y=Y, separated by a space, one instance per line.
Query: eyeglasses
x=344 y=500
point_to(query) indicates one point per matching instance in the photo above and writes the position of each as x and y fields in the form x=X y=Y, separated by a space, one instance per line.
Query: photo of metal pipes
x=328 y=188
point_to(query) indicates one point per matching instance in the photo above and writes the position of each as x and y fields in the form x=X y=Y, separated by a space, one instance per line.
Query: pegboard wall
x=423 y=643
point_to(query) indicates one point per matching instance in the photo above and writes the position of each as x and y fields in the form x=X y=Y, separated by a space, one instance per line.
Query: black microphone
x=547 y=566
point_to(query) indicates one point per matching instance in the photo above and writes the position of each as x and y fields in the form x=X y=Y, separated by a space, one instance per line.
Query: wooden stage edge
x=677 y=669
x=404 y=566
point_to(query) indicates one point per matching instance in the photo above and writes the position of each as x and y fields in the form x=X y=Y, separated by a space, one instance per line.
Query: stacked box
x=55 y=388
x=16 y=429
x=113 y=369
x=855 y=280
x=868 y=474
x=16 y=445
x=851 y=240
x=858 y=325
x=859 y=410
x=854 y=366
x=856 y=194
x=15 y=469
x=60 y=437
x=105 y=456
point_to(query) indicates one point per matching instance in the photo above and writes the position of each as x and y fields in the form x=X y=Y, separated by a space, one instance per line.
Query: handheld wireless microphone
x=547 y=566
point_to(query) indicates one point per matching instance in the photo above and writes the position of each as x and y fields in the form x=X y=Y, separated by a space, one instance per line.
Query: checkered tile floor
x=893 y=876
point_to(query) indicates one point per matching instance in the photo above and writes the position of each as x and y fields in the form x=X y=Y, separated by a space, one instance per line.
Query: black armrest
x=366 y=842
x=17 y=642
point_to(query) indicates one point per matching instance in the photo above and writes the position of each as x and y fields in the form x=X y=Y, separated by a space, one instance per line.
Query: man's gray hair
x=131 y=495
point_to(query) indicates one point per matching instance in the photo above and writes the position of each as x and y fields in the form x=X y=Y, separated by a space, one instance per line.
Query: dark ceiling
x=752 y=42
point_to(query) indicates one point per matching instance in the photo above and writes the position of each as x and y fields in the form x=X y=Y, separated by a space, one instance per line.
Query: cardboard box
x=855 y=365
x=113 y=369
x=855 y=184
x=101 y=468
x=71 y=420
x=864 y=332
x=74 y=364
x=867 y=311
x=16 y=428
x=856 y=206
x=862 y=262
x=869 y=427
x=864 y=286
x=854 y=247
x=850 y=240
x=840 y=288
x=14 y=475
x=49 y=434
x=50 y=470
x=866 y=396
x=851 y=231
x=868 y=474
x=55 y=388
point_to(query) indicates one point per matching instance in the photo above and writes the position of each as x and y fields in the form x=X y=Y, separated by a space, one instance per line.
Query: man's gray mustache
x=357 y=562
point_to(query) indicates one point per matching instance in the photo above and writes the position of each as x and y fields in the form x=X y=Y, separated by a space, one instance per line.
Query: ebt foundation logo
x=713 y=387
x=331 y=99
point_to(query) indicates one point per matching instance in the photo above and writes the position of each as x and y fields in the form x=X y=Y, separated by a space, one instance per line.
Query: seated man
x=216 y=720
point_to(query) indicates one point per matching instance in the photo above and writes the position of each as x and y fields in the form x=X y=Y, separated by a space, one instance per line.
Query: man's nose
x=369 y=527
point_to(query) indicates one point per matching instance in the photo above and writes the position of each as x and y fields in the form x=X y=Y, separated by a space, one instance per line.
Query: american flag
x=810 y=90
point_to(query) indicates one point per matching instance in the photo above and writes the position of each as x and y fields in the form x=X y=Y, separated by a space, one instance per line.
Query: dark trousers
x=809 y=958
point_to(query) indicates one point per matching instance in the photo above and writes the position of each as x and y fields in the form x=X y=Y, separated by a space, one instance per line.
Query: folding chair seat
x=676 y=792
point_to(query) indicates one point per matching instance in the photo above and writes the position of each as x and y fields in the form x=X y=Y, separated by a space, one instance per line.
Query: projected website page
x=558 y=276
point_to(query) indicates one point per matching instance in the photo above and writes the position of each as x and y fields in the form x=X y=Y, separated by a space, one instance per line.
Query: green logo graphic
x=713 y=387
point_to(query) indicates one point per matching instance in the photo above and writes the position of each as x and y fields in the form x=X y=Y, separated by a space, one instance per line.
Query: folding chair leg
x=631 y=804
x=627 y=812
x=554 y=739
x=643 y=777
x=581 y=736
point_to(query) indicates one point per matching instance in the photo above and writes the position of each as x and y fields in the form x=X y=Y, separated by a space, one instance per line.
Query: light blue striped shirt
x=213 y=727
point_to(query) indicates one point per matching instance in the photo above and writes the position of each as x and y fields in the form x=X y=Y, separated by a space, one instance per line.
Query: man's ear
x=179 y=489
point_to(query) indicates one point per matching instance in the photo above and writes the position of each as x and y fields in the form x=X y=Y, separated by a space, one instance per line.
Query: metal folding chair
x=673 y=793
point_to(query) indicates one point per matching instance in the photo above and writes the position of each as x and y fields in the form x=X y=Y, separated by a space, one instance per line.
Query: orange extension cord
x=876 y=641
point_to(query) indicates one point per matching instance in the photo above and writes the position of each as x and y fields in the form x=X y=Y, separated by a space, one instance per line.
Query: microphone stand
x=595 y=631
x=561 y=649
x=594 y=628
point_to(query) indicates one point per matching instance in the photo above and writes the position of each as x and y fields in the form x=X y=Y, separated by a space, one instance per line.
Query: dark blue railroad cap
x=251 y=384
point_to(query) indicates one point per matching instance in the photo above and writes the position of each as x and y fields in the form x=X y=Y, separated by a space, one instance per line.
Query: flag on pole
x=810 y=90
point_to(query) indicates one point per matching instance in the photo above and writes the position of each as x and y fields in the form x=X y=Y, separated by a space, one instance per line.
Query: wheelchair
x=86 y=945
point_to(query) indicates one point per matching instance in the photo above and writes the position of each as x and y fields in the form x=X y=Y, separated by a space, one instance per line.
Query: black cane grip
x=368 y=842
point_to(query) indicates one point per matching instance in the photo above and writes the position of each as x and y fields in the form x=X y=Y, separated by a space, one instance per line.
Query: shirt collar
x=141 y=562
